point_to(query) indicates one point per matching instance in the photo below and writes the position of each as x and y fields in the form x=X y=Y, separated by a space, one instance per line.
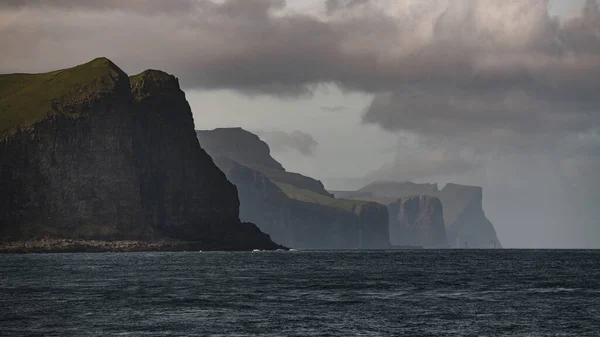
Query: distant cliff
x=88 y=153
x=465 y=220
x=248 y=149
x=300 y=217
x=240 y=145
x=418 y=220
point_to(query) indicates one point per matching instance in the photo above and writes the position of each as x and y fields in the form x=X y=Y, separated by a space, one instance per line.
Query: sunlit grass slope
x=313 y=197
x=26 y=99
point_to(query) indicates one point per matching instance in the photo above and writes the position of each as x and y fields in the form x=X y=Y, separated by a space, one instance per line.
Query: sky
x=501 y=94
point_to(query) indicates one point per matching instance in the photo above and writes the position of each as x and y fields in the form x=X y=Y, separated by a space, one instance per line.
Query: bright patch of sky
x=341 y=136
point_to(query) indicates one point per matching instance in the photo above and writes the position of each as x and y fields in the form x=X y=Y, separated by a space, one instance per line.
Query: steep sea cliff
x=465 y=221
x=88 y=153
x=295 y=210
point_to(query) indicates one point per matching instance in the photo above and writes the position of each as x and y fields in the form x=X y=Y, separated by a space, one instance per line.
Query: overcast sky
x=497 y=93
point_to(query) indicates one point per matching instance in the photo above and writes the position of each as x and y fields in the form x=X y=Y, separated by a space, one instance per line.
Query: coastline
x=103 y=246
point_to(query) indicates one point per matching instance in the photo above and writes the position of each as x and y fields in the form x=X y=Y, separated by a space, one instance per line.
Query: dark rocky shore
x=100 y=246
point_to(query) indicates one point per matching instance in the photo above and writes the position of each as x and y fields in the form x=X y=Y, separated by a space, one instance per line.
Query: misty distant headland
x=297 y=211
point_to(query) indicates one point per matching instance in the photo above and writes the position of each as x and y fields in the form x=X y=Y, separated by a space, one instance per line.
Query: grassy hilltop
x=26 y=99
x=316 y=198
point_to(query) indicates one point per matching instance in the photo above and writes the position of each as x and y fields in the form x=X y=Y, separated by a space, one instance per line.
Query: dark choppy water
x=396 y=293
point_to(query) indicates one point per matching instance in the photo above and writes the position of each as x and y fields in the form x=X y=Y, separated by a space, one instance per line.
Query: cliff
x=464 y=218
x=339 y=217
x=240 y=145
x=418 y=220
x=303 y=218
x=466 y=222
x=88 y=154
x=249 y=150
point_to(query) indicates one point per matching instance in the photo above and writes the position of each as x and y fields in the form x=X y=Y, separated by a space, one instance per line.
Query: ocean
x=302 y=293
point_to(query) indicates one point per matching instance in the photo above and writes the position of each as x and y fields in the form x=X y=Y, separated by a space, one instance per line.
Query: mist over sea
x=302 y=293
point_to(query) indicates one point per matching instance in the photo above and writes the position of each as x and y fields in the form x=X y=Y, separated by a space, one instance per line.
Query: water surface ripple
x=375 y=293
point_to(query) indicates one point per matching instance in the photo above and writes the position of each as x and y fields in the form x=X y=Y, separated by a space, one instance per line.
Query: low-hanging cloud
x=280 y=141
x=422 y=165
x=420 y=159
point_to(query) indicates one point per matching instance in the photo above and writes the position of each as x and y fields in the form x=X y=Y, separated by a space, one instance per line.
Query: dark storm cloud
x=511 y=116
x=280 y=141
x=481 y=70
x=261 y=45
x=527 y=84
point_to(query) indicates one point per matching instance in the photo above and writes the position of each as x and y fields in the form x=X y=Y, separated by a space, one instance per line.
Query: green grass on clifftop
x=152 y=81
x=316 y=198
x=26 y=99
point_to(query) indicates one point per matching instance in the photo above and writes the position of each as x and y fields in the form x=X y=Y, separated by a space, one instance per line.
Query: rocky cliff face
x=373 y=219
x=305 y=223
x=249 y=150
x=262 y=202
x=465 y=220
x=418 y=220
x=72 y=174
x=183 y=193
x=106 y=159
x=467 y=225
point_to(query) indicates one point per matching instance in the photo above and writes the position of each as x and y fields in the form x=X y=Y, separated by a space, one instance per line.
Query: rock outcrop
x=295 y=216
x=464 y=218
x=418 y=220
x=88 y=154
